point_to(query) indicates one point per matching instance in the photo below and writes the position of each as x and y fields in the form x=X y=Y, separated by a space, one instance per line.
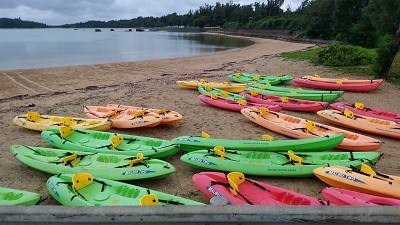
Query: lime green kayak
x=11 y=196
x=83 y=189
x=252 y=77
x=193 y=143
x=107 y=142
x=328 y=97
x=283 y=164
x=207 y=90
x=110 y=166
x=294 y=90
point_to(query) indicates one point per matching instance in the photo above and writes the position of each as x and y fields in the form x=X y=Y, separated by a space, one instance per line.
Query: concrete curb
x=209 y=214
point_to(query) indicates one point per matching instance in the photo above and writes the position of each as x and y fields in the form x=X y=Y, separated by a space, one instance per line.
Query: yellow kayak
x=225 y=86
x=35 y=121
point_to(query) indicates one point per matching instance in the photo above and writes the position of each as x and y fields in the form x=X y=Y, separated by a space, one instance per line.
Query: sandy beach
x=64 y=90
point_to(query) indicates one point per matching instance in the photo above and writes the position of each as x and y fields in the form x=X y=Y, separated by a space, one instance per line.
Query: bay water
x=54 y=47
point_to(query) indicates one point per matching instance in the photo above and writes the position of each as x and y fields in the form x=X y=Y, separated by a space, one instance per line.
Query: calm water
x=38 y=48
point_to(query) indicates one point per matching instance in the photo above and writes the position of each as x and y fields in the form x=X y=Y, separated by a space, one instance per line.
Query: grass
x=312 y=56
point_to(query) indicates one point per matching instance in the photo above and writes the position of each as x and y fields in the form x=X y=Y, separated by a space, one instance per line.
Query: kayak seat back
x=67 y=121
x=235 y=179
x=101 y=109
x=242 y=102
x=223 y=93
x=149 y=199
x=368 y=170
x=33 y=116
x=65 y=131
x=81 y=180
x=116 y=141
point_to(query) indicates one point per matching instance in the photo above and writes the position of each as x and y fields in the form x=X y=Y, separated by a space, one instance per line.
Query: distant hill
x=18 y=23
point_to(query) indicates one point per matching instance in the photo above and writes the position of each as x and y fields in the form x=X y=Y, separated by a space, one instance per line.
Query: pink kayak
x=359 y=109
x=249 y=192
x=234 y=105
x=286 y=103
x=337 y=86
x=340 y=196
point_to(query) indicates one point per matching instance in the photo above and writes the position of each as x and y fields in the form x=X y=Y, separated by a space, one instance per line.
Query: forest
x=365 y=23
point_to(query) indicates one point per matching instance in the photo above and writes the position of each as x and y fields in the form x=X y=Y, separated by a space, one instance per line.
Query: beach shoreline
x=64 y=90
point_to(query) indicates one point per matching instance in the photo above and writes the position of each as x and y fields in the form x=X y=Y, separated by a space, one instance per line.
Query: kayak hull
x=334 y=86
x=100 y=142
x=192 y=143
x=109 y=166
x=105 y=192
x=274 y=163
x=255 y=193
x=295 y=127
x=234 y=105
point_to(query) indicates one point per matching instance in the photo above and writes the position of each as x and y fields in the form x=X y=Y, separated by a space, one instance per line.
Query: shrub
x=345 y=55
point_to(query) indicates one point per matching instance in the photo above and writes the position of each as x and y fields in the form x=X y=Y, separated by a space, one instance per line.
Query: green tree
x=318 y=17
x=385 y=16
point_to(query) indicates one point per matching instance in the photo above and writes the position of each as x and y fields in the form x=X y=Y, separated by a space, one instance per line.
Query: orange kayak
x=122 y=118
x=300 y=128
x=365 y=123
x=363 y=180
x=168 y=117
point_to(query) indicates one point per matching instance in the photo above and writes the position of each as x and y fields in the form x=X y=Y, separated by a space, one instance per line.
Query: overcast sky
x=58 y=12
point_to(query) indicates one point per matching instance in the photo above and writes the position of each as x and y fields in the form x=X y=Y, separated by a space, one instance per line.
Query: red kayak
x=238 y=190
x=359 y=109
x=340 y=196
x=234 y=105
x=293 y=104
x=337 y=86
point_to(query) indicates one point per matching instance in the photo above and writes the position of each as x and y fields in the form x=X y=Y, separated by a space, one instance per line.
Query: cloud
x=58 y=12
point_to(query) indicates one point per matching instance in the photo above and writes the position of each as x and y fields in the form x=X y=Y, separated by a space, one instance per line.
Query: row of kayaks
x=102 y=118
x=350 y=186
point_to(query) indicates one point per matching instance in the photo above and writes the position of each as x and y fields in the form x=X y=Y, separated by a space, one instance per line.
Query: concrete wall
x=209 y=214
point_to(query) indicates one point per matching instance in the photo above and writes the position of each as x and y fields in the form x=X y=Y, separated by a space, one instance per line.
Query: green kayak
x=207 y=90
x=10 y=196
x=110 y=166
x=83 y=189
x=107 y=142
x=283 y=164
x=193 y=143
x=298 y=90
x=306 y=96
x=252 y=77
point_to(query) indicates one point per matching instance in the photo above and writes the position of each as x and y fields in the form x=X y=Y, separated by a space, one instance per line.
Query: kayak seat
x=334 y=157
x=101 y=136
x=100 y=109
x=268 y=201
x=292 y=120
x=285 y=197
x=258 y=155
x=154 y=143
x=107 y=159
x=12 y=196
x=380 y=122
x=351 y=136
x=126 y=191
